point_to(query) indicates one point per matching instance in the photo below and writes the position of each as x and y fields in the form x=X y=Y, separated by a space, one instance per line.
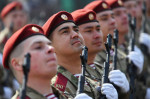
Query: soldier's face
x=66 y=39
x=107 y=22
x=92 y=35
x=17 y=18
x=43 y=58
x=139 y=8
x=121 y=18
x=131 y=7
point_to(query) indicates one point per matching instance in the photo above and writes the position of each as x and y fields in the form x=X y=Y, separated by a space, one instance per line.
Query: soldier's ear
x=16 y=64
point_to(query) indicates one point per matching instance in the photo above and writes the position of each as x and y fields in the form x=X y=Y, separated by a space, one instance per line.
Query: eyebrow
x=98 y=26
x=75 y=26
x=40 y=42
x=104 y=15
x=89 y=27
x=112 y=13
x=64 y=28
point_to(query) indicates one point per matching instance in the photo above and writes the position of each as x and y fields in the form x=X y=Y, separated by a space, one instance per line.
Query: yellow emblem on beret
x=120 y=2
x=104 y=5
x=64 y=17
x=35 y=29
x=91 y=16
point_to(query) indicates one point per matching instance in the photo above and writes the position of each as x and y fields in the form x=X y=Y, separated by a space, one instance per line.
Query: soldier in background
x=90 y=30
x=123 y=28
x=68 y=42
x=107 y=21
x=13 y=17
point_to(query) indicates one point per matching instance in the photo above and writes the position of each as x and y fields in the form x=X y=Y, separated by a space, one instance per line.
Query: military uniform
x=32 y=94
x=4 y=36
x=68 y=83
x=121 y=64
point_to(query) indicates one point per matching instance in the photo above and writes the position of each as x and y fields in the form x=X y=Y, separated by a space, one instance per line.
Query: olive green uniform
x=121 y=64
x=68 y=83
x=32 y=94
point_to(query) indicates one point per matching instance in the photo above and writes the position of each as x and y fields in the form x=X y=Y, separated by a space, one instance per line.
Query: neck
x=139 y=23
x=41 y=85
x=148 y=12
x=72 y=63
x=91 y=57
x=121 y=39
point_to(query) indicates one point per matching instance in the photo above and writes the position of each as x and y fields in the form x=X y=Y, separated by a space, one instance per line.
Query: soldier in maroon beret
x=107 y=21
x=90 y=29
x=14 y=17
x=43 y=66
x=104 y=15
x=121 y=18
x=68 y=43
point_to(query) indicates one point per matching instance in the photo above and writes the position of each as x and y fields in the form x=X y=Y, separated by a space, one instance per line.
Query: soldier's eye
x=88 y=31
x=65 y=31
x=76 y=30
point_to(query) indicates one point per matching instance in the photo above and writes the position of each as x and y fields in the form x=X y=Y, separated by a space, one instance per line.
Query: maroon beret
x=115 y=3
x=56 y=20
x=19 y=36
x=82 y=16
x=98 y=6
x=127 y=0
x=10 y=7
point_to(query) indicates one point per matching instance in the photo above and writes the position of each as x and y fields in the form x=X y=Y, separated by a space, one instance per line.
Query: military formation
x=101 y=51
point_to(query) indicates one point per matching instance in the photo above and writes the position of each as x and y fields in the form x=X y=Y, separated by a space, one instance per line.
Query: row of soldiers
x=110 y=70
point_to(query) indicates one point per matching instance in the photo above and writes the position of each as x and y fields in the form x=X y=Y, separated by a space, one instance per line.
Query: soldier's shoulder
x=3 y=34
x=60 y=82
x=58 y=93
x=16 y=96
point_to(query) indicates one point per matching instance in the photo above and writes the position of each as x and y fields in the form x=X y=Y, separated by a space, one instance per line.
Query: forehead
x=68 y=24
x=132 y=2
x=108 y=12
x=89 y=24
x=33 y=39
x=120 y=9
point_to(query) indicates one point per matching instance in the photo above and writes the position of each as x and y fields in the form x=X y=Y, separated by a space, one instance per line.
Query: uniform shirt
x=121 y=64
x=33 y=94
x=68 y=83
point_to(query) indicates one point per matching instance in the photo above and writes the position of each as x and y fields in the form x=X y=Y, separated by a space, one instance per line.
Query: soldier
x=13 y=17
x=68 y=43
x=90 y=30
x=106 y=18
x=31 y=39
x=142 y=38
x=120 y=17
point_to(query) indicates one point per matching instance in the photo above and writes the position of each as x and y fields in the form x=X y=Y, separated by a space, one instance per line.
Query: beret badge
x=104 y=5
x=91 y=16
x=35 y=29
x=64 y=17
x=120 y=2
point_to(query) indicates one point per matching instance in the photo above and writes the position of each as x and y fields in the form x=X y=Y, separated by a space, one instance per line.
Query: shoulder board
x=61 y=82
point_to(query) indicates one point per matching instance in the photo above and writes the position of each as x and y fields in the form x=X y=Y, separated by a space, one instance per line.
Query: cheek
x=35 y=61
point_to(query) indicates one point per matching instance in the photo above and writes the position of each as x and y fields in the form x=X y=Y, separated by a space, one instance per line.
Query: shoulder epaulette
x=61 y=82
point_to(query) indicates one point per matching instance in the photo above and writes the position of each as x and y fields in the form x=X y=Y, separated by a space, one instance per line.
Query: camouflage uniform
x=32 y=94
x=121 y=64
x=68 y=83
